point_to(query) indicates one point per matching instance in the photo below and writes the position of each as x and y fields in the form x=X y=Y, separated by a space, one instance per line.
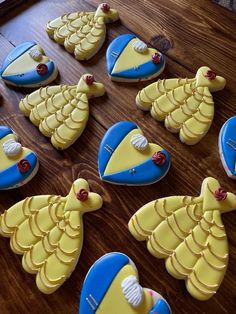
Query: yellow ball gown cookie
x=61 y=112
x=189 y=233
x=48 y=231
x=186 y=105
x=82 y=33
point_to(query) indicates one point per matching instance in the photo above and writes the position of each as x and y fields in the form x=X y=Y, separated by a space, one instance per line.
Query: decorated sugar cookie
x=18 y=164
x=186 y=105
x=129 y=60
x=126 y=157
x=61 y=112
x=82 y=33
x=48 y=231
x=227 y=146
x=112 y=286
x=28 y=66
x=189 y=233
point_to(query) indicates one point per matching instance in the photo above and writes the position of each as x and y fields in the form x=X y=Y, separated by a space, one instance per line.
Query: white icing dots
x=132 y=291
x=139 y=142
x=140 y=46
x=35 y=54
x=12 y=148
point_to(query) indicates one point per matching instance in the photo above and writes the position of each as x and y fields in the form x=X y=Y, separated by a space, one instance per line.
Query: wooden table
x=192 y=34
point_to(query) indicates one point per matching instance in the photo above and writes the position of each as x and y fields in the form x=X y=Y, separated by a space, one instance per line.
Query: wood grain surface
x=192 y=34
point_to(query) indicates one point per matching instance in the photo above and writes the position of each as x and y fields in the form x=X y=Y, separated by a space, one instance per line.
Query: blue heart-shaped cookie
x=227 y=147
x=28 y=66
x=111 y=286
x=126 y=157
x=129 y=59
x=18 y=164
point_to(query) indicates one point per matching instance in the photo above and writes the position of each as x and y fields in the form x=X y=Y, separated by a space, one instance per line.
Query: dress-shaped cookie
x=28 y=66
x=186 y=105
x=61 y=112
x=82 y=33
x=126 y=157
x=189 y=233
x=18 y=164
x=227 y=147
x=111 y=286
x=48 y=231
x=130 y=60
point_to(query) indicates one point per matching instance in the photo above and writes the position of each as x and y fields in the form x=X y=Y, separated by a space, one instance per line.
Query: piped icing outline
x=196 y=248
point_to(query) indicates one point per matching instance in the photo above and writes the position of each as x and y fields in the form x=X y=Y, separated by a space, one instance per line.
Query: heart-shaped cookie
x=130 y=59
x=18 y=164
x=126 y=157
x=112 y=286
x=227 y=147
x=28 y=66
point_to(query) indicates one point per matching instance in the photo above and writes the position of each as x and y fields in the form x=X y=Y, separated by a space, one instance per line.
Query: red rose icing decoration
x=210 y=75
x=220 y=194
x=42 y=69
x=89 y=79
x=23 y=166
x=159 y=158
x=105 y=7
x=82 y=195
x=156 y=58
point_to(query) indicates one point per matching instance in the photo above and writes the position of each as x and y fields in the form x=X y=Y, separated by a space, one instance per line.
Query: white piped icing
x=140 y=46
x=35 y=54
x=139 y=142
x=12 y=148
x=132 y=291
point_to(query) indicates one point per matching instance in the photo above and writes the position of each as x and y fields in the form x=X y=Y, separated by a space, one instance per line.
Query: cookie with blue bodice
x=130 y=60
x=18 y=164
x=126 y=157
x=28 y=66
x=227 y=147
x=112 y=286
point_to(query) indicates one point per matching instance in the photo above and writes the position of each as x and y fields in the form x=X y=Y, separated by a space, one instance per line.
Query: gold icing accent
x=200 y=256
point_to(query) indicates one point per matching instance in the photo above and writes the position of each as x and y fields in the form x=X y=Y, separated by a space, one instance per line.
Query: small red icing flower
x=220 y=194
x=156 y=58
x=42 y=69
x=210 y=75
x=82 y=195
x=89 y=79
x=159 y=158
x=105 y=7
x=23 y=166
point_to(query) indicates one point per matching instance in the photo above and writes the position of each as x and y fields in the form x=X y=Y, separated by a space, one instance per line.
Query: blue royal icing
x=4 y=131
x=161 y=307
x=141 y=174
x=11 y=176
x=143 y=71
x=16 y=53
x=227 y=141
x=110 y=265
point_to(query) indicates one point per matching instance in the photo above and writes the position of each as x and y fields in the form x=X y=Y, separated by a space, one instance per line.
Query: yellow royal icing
x=48 y=231
x=186 y=105
x=189 y=233
x=82 y=33
x=61 y=112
